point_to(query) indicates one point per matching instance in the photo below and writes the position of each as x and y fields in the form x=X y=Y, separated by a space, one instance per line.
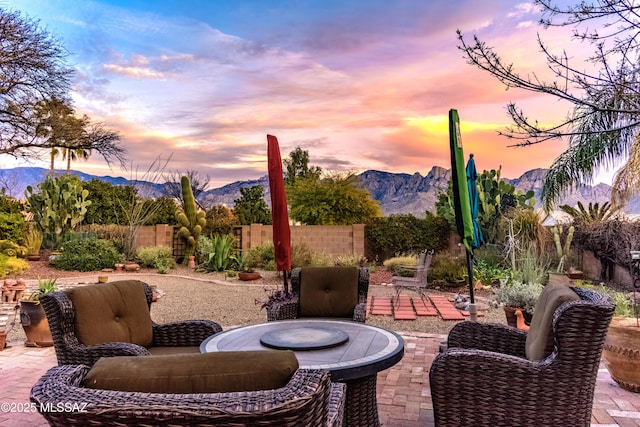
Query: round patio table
x=355 y=360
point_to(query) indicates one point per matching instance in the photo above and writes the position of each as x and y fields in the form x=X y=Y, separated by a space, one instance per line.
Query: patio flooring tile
x=404 y=397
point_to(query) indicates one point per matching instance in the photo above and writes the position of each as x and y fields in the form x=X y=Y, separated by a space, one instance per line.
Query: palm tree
x=594 y=213
x=73 y=154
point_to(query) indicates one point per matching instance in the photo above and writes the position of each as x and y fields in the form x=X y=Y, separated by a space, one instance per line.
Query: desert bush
x=445 y=268
x=215 y=253
x=12 y=226
x=88 y=255
x=397 y=265
x=300 y=255
x=159 y=257
x=349 y=261
x=12 y=266
x=321 y=259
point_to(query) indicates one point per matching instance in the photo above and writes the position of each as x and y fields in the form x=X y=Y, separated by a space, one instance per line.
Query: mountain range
x=398 y=193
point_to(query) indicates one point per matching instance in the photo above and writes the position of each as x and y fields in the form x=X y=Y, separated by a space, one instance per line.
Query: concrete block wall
x=334 y=240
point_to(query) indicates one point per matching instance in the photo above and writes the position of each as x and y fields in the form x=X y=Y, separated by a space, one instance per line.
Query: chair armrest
x=282 y=311
x=184 y=333
x=81 y=354
x=492 y=337
x=337 y=401
x=360 y=312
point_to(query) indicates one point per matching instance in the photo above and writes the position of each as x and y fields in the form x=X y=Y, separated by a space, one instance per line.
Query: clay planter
x=621 y=352
x=559 y=279
x=248 y=276
x=3 y=340
x=512 y=320
x=33 y=257
x=35 y=324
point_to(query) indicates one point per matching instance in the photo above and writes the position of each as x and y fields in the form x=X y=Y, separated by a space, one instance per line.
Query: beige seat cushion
x=328 y=291
x=194 y=373
x=540 y=341
x=112 y=312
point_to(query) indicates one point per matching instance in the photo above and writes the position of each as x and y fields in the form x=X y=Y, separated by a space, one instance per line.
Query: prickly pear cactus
x=190 y=220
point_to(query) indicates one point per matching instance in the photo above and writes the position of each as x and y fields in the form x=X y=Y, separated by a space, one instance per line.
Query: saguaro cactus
x=190 y=219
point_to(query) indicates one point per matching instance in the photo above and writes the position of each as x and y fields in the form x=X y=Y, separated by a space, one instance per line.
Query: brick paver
x=404 y=397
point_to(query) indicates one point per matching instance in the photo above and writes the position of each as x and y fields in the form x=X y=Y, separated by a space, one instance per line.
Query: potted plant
x=563 y=274
x=514 y=295
x=622 y=345
x=33 y=241
x=245 y=270
x=32 y=316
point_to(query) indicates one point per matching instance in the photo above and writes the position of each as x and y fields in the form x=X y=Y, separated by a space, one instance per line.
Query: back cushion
x=218 y=372
x=112 y=312
x=540 y=341
x=328 y=291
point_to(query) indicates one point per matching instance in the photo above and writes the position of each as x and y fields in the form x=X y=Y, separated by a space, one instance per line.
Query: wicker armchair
x=485 y=379
x=309 y=399
x=291 y=309
x=184 y=336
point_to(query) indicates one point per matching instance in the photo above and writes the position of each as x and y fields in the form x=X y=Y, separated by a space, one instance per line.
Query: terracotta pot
x=512 y=320
x=621 y=353
x=559 y=279
x=192 y=261
x=248 y=276
x=35 y=324
x=33 y=257
x=3 y=340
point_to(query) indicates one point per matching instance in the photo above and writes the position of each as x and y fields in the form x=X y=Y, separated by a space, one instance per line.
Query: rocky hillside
x=398 y=193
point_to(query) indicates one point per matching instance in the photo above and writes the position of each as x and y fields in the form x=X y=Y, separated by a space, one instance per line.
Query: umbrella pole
x=473 y=311
x=286 y=285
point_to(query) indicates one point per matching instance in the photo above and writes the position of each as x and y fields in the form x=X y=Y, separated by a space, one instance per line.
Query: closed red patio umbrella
x=279 y=212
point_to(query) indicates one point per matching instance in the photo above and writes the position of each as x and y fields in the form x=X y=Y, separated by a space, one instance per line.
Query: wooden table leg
x=362 y=405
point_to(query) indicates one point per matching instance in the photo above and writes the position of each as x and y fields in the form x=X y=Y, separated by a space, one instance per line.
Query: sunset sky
x=358 y=84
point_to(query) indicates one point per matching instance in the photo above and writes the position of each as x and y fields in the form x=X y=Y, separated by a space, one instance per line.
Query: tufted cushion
x=112 y=312
x=540 y=341
x=328 y=291
x=195 y=373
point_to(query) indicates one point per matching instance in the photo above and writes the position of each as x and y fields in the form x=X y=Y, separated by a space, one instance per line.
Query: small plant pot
x=3 y=340
x=248 y=276
x=119 y=267
x=103 y=279
x=35 y=324
x=33 y=257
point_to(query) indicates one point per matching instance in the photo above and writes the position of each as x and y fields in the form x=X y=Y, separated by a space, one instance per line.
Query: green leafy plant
x=12 y=249
x=489 y=274
x=32 y=239
x=517 y=294
x=45 y=286
x=10 y=265
x=398 y=265
x=12 y=226
x=216 y=252
x=159 y=257
x=88 y=255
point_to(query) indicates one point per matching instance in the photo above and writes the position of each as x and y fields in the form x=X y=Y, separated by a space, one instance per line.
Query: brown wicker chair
x=309 y=399
x=291 y=309
x=485 y=379
x=167 y=338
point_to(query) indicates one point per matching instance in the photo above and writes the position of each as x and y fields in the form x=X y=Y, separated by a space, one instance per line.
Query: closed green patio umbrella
x=462 y=201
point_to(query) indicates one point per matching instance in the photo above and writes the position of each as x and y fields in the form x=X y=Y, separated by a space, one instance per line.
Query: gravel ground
x=185 y=294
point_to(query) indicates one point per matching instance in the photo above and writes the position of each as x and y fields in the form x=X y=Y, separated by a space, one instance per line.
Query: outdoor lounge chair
x=418 y=282
x=284 y=396
x=339 y=292
x=113 y=319
x=497 y=375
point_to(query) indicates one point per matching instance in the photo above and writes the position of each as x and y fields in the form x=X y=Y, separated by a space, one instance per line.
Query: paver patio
x=404 y=398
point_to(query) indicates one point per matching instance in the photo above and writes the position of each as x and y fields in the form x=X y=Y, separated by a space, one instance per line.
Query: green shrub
x=215 y=253
x=517 y=294
x=88 y=255
x=12 y=266
x=398 y=234
x=489 y=274
x=261 y=256
x=160 y=257
x=445 y=268
x=321 y=259
x=300 y=255
x=349 y=261
x=397 y=265
x=12 y=226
